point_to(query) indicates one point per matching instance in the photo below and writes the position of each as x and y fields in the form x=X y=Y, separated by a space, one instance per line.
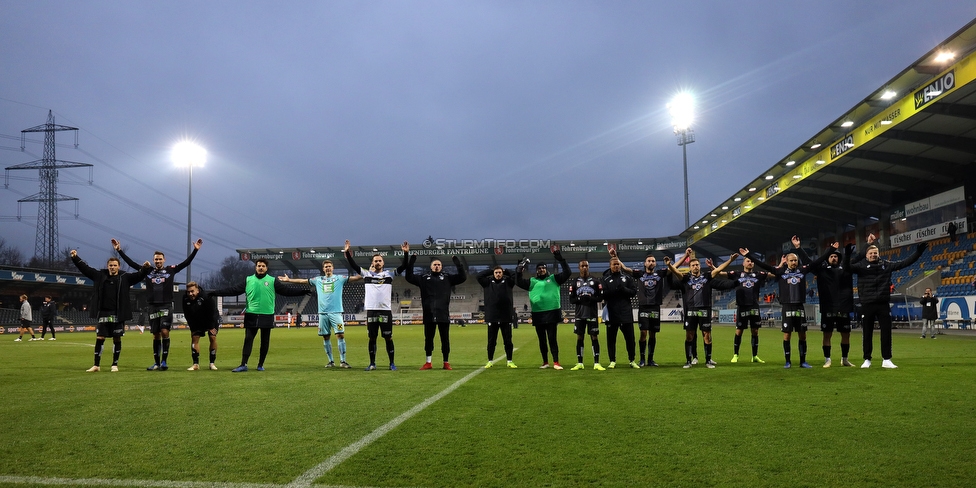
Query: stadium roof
x=885 y=151
x=912 y=137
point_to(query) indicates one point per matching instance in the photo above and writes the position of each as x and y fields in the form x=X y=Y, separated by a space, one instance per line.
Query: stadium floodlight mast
x=188 y=154
x=682 y=109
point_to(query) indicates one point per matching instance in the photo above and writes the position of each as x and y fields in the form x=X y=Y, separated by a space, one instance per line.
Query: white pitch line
x=306 y=479
x=303 y=481
x=37 y=480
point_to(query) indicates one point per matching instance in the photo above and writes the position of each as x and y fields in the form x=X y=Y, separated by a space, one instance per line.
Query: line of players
x=615 y=289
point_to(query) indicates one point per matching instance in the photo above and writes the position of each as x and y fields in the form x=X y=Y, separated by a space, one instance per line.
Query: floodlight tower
x=189 y=154
x=682 y=109
x=46 y=243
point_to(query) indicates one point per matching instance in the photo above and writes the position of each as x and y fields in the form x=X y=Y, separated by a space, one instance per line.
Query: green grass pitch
x=742 y=424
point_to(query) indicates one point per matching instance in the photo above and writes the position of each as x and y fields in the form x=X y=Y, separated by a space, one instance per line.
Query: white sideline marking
x=36 y=480
x=306 y=479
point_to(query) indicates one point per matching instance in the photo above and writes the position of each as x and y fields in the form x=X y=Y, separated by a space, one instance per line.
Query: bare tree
x=9 y=255
x=232 y=272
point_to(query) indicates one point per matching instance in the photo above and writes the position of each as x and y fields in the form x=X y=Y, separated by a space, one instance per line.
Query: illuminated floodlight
x=188 y=154
x=725 y=207
x=815 y=145
x=820 y=161
x=945 y=56
x=682 y=110
x=790 y=163
x=847 y=123
x=888 y=95
x=796 y=177
x=752 y=189
x=769 y=177
x=737 y=199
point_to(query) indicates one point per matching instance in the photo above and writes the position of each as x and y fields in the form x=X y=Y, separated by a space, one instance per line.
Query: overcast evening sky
x=379 y=121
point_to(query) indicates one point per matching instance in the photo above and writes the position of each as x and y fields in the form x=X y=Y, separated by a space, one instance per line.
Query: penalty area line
x=308 y=477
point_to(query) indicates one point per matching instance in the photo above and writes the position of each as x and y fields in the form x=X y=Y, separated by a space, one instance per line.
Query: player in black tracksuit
x=586 y=292
x=200 y=311
x=652 y=285
x=874 y=292
x=435 y=298
x=159 y=293
x=792 y=296
x=110 y=303
x=49 y=312
x=499 y=310
x=836 y=284
x=618 y=288
x=747 y=284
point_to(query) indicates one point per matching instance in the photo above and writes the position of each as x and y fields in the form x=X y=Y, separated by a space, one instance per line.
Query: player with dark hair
x=378 y=302
x=499 y=312
x=329 y=288
x=618 y=288
x=260 y=290
x=874 y=291
x=544 y=295
x=836 y=284
x=49 y=312
x=586 y=292
x=697 y=297
x=159 y=294
x=747 y=284
x=792 y=296
x=200 y=311
x=930 y=312
x=109 y=303
x=652 y=286
x=435 y=299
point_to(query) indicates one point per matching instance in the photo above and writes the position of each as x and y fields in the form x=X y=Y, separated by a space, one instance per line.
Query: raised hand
x=198 y=243
x=116 y=245
x=405 y=247
x=73 y=253
x=796 y=241
x=346 y=248
x=743 y=251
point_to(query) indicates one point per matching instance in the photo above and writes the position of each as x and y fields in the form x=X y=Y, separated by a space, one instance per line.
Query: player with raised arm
x=792 y=296
x=109 y=303
x=435 y=299
x=652 y=286
x=543 y=291
x=378 y=301
x=498 y=284
x=260 y=290
x=836 y=284
x=874 y=291
x=586 y=292
x=747 y=284
x=618 y=288
x=328 y=286
x=697 y=298
x=159 y=295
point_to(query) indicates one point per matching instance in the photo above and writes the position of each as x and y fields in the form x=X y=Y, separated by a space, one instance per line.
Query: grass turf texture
x=741 y=424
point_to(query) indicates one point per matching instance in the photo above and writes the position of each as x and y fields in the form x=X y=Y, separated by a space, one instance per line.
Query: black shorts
x=110 y=329
x=379 y=321
x=259 y=321
x=587 y=326
x=830 y=321
x=794 y=318
x=747 y=318
x=547 y=317
x=160 y=317
x=698 y=319
x=649 y=319
x=24 y=323
x=204 y=332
